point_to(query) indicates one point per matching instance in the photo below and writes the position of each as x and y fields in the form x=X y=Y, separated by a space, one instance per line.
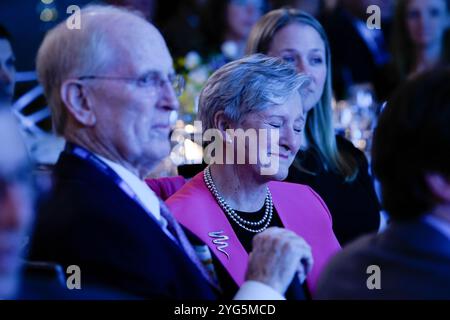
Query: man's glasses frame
x=150 y=79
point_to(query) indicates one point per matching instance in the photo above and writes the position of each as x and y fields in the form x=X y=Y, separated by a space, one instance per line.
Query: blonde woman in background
x=329 y=164
x=418 y=42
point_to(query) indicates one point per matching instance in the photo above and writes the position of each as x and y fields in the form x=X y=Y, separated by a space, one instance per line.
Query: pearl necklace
x=266 y=219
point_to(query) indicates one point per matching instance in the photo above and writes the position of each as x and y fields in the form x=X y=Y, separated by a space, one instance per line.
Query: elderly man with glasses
x=112 y=91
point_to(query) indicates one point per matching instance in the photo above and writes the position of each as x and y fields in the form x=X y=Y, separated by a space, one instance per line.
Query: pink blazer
x=165 y=187
x=299 y=207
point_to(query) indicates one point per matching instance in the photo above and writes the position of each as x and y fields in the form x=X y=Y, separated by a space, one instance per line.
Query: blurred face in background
x=302 y=46
x=7 y=72
x=241 y=15
x=16 y=202
x=426 y=21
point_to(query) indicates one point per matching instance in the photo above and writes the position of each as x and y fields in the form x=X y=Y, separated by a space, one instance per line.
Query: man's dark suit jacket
x=90 y=222
x=414 y=261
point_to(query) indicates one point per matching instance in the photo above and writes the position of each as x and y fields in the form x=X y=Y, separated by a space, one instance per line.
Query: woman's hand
x=278 y=254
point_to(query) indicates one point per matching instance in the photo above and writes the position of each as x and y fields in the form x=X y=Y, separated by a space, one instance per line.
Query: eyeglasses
x=148 y=80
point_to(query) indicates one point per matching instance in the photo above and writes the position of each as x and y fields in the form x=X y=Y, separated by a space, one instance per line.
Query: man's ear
x=74 y=94
x=222 y=123
x=439 y=186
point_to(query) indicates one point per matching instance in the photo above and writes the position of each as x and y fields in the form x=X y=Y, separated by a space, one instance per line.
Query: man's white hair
x=70 y=53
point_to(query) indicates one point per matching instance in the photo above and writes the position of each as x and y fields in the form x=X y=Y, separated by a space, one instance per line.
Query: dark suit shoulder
x=411 y=258
x=90 y=222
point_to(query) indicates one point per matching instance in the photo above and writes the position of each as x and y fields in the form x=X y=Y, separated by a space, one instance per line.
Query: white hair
x=67 y=53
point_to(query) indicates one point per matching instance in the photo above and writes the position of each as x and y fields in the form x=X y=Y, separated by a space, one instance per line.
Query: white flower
x=346 y=117
x=192 y=60
x=230 y=49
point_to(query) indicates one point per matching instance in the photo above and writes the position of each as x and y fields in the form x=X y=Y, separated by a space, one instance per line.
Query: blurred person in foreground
x=7 y=68
x=411 y=258
x=16 y=203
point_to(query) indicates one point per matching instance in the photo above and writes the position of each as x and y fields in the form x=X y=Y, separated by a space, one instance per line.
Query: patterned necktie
x=177 y=232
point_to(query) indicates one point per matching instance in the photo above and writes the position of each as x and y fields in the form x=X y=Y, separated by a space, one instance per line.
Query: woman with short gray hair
x=251 y=110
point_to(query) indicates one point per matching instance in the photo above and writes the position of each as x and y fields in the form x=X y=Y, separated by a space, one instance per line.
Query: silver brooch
x=220 y=241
